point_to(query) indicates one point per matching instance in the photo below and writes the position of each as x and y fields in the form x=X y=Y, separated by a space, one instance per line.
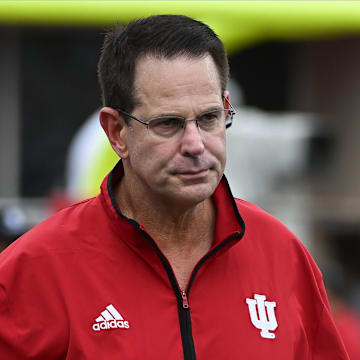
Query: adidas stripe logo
x=110 y=318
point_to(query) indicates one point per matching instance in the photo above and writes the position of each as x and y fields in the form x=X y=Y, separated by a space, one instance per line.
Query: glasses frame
x=228 y=119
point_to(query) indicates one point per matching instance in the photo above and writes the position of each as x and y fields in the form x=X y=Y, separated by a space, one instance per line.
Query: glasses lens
x=165 y=127
x=212 y=120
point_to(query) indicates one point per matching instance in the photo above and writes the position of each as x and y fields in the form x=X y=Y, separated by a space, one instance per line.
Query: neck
x=172 y=227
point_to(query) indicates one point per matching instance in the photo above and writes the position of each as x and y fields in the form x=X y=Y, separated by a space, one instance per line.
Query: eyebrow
x=167 y=115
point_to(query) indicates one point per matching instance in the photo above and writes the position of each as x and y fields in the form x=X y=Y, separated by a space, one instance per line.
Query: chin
x=194 y=194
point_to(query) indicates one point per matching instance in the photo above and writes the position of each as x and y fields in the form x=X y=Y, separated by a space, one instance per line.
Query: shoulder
x=264 y=231
x=35 y=276
x=257 y=218
x=39 y=264
x=53 y=234
x=275 y=249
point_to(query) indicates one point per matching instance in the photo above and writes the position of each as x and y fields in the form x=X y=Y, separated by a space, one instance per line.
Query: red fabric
x=348 y=323
x=58 y=278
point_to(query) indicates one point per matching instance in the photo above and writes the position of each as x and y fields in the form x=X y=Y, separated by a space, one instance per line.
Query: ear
x=227 y=99
x=116 y=130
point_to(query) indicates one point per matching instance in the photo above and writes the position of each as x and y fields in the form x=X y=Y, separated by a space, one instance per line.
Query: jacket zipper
x=182 y=296
x=185 y=328
x=182 y=302
x=184 y=307
x=185 y=302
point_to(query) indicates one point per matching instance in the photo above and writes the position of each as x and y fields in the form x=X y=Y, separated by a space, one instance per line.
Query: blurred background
x=293 y=149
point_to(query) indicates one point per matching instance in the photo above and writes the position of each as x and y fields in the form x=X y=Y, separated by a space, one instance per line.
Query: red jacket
x=89 y=283
x=348 y=323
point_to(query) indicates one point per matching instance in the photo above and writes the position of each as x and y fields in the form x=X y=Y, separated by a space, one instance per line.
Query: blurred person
x=13 y=224
x=89 y=159
x=165 y=263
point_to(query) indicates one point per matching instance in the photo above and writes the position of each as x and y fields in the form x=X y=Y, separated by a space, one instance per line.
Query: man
x=164 y=263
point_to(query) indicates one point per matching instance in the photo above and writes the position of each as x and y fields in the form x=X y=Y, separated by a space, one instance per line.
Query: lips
x=193 y=175
x=192 y=172
x=190 y=168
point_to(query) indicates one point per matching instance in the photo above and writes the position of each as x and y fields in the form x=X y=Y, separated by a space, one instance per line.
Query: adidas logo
x=110 y=319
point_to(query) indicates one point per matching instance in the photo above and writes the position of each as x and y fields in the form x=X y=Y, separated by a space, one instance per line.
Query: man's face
x=186 y=169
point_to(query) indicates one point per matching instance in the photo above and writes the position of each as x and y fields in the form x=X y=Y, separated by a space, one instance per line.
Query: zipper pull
x=185 y=300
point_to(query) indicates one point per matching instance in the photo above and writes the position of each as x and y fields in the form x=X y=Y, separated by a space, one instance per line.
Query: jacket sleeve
x=29 y=316
x=324 y=339
x=9 y=346
x=328 y=344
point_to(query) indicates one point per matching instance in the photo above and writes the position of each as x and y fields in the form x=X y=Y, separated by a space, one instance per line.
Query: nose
x=192 y=142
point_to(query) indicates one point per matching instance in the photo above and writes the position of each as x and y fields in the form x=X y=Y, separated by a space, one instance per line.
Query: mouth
x=193 y=174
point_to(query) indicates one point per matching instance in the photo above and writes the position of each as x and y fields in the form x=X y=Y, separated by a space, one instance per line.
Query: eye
x=210 y=119
x=165 y=126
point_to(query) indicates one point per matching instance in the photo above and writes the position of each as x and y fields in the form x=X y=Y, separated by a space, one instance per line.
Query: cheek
x=224 y=149
x=217 y=147
x=137 y=151
x=152 y=157
x=162 y=154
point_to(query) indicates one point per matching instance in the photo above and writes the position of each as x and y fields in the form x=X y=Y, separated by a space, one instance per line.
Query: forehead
x=180 y=78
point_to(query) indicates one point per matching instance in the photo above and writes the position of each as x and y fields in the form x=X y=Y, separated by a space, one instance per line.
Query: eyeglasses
x=165 y=127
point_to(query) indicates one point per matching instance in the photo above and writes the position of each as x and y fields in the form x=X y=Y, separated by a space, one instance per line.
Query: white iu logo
x=264 y=318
